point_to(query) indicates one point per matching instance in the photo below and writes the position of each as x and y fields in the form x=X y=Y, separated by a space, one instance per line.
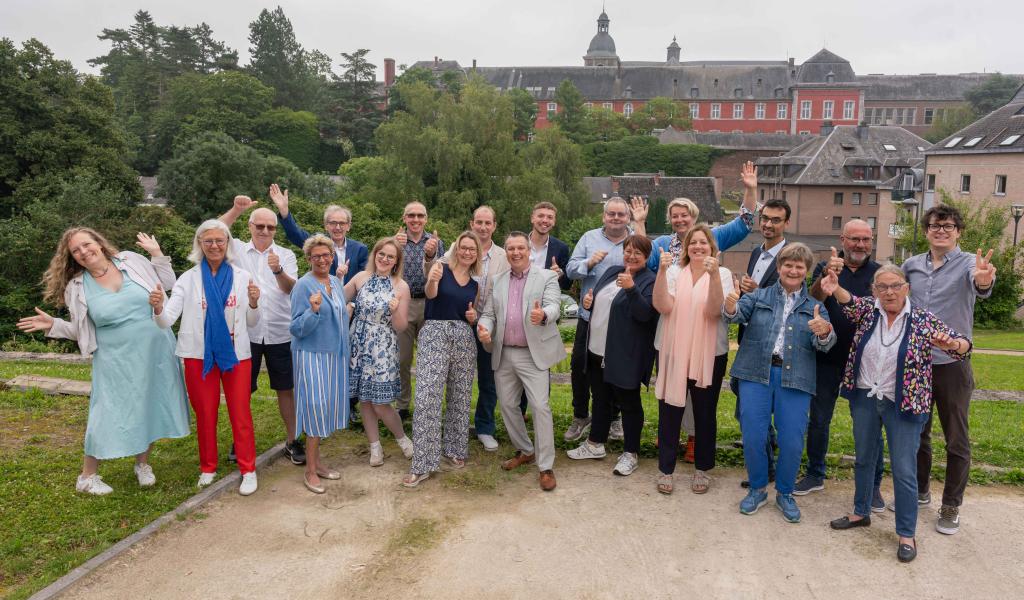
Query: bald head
x=857 y=240
x=263 y=215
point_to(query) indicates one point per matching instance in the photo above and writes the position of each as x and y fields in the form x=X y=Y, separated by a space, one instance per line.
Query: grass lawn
x=48 y=529
x=998 y=372
x=999 y=339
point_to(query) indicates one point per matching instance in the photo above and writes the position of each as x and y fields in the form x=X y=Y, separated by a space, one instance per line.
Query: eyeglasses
x=936 y=227
x=336 y=224
x=882 y=288
x=321 y=257
x=858 y=240
x=616 y=215
x=772 y=220
x=212 y=243
x=261 y=227
x=387 y=257
x=416 y=215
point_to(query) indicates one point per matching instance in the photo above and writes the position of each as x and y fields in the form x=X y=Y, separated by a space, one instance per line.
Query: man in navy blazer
x=547 y=251
x=349 y=254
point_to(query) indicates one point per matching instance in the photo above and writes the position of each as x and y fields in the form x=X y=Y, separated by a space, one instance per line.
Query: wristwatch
x=279 y=271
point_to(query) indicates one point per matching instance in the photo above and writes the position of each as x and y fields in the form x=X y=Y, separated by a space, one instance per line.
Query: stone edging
x=232 y=480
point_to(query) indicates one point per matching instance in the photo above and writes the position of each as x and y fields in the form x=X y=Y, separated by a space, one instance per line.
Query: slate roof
x=994 y=129
x=818 y=67
x=920 y=87
x=821 y=160
x=775 y=142
x=699 y=189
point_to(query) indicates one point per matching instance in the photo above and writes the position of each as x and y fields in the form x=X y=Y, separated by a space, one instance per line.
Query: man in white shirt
x=274 y=270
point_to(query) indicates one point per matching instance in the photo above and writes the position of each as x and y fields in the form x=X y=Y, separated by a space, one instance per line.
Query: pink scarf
x=688 y=348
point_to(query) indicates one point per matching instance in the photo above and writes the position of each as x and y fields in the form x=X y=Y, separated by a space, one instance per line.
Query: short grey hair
x=196 y=256
x=252 y=215
x=333 y=208
x=317 y=239
x=629 y=210
x=796 y=251
x=890 y=268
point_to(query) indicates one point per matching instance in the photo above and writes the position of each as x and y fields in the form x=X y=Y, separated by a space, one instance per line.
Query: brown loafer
x=547 y=480
x=518 y=460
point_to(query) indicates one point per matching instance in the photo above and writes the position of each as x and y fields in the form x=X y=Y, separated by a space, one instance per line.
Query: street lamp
x=1017 y=210
x=913 y=205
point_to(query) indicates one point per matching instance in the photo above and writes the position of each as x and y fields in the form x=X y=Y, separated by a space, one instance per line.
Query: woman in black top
x=446 y=359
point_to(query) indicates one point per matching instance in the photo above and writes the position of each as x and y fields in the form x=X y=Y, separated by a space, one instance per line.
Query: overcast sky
x=876 y=36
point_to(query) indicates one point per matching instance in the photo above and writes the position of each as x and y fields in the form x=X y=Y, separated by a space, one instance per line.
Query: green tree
x=952 y=120
x=290 y=134
x=396 y=101
x=572 y=114
x=993 y=93
x=56 y=126
x=524 y=113
x=643 y=154
x=354 y=111
x=554 y=154
x=659 y=113
x=608 y=125
x=280 y=62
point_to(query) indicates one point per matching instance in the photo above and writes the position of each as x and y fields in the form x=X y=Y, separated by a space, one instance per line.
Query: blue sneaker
x=787 y=504
x=754 y=500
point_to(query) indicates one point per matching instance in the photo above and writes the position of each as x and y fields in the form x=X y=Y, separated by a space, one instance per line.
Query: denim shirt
x=761 y=311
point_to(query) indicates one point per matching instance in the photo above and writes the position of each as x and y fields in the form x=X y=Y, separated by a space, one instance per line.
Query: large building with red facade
x=777 y=96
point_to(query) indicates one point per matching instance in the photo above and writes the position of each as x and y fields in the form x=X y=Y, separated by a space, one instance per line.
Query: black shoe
x=295 y=452
x=745 y=484
x=906 y=553
x=231 y=454
x=738 y=444
x=846 y=523
x=405 y=414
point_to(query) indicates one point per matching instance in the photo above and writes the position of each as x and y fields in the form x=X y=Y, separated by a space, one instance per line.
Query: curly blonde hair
x=63 y=266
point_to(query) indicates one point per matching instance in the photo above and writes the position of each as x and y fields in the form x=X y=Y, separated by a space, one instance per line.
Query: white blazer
x=188 y=301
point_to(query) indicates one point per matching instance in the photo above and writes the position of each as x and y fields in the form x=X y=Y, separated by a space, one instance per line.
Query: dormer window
x=694 y=92
x=973 y=142
x=889 y=147
x=778 y=92
x=953 y=142
x=737 y=93
x=716 y=83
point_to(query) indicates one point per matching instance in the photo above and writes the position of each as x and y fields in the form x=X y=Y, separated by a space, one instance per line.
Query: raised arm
x=238 y=206
x=748 y=173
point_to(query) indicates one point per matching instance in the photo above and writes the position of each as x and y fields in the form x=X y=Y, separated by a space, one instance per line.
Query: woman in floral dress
x=381 y=311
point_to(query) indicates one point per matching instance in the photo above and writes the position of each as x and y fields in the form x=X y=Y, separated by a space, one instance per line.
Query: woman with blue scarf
x=217 y=303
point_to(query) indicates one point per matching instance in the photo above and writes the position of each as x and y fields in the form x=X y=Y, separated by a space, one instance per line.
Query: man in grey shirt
x=947 y=281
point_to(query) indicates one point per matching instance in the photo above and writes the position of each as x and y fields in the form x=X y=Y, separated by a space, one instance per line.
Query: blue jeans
x=787 y=407
x=823 y=405
x=771 y=443
x=904 y=435
x=487 y=398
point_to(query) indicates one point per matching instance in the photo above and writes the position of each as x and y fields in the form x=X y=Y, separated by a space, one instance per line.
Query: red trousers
x=204 y=396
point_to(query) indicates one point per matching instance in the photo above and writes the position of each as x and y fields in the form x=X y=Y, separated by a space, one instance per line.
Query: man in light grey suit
x=519 y=327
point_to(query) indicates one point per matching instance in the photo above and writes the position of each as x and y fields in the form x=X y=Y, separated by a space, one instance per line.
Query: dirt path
x=484 y=533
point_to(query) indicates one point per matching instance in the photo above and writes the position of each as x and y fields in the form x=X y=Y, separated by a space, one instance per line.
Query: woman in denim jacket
x=888 y=382
x=776 y=368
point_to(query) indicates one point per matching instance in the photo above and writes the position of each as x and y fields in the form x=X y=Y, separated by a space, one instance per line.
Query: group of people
x=340 y=340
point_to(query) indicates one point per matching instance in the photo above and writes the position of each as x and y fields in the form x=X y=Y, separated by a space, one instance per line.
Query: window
x=873 y=198
x=848 y=109
x=627 y=109
x=778 y=92
x=889 y=147
x=1000 y=185
x=737 y=93
x=973 y=142
x=762 y=195
x=552 y=109
x=855 y=198
x=805 y=132
x=694 y=92
x=910 y=116
x=953 y=142
x=716 y=111
x=759 y=110
x=837 y=223
x=715 y=83
x=837 y=199
x=781 y=111
x=965 y=184
x=607 y=105
x=1010 y=140
x=805 y=109
x=695 y=111
x=871 y=222
x=737 y=110
x=826 y=109
x=931 y=182
x=929 y=116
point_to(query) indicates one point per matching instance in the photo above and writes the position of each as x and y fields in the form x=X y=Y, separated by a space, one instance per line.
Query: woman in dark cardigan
x=620 y=351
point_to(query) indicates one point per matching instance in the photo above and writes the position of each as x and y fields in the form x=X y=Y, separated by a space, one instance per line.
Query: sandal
x=700 y=483
x=453 y=463
x=665 y=484
x=414 y=479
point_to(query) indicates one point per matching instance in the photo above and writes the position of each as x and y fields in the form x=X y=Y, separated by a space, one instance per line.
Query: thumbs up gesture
x=625 y=280
x=711 y=263
x=470 y=313
x=665 y=260
x=730 y=302
x=156 y=299
x=537 y=314
x=483 y=334
x=555 y=267
x=820 y=327
x=254 y=294
x=430 y=248
x=273 y=261
x=342 y=270
x=315 y=300
x=435 y=273
x=829 y=283
x=588 y=300
x=401 y=238
x=835 y=263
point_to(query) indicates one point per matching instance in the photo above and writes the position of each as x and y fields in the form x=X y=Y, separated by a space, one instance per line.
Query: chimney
x=389 y=72
x=436 y=60
x=862 y=130
x=826 y=128
x=792 y=61
x=474 y=64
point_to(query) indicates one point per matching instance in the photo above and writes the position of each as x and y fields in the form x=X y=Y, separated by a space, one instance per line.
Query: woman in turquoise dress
x=138 y=392
x=381 y=311
x=319 y=357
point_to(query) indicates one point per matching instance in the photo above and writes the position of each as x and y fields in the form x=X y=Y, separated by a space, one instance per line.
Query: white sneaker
x=615 y=430
x=144 y=473
x=206 y=479
x=626 y=465
x=586 y=450
x=92 y=484
x=248 y=485
x=376 y=454
x=490 y=444
x=406 y=445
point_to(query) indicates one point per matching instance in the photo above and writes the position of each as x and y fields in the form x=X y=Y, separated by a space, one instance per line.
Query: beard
x=857 y=259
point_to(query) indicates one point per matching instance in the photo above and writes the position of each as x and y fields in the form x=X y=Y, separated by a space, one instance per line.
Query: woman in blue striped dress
x=320 y=356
